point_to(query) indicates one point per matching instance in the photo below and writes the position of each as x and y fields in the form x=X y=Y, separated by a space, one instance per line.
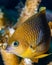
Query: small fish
x=31 y=39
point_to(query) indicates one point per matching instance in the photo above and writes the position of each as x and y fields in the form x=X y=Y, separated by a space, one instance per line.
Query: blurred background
x=12 y=10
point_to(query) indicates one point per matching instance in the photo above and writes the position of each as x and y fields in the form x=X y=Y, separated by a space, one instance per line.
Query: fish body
x=31 y=38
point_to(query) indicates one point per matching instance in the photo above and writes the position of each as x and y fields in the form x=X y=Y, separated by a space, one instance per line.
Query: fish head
x=17 y=47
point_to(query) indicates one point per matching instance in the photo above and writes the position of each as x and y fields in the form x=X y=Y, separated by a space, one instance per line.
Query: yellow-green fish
x=31 y=39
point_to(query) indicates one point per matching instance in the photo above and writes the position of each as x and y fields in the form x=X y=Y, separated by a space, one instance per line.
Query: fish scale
x=28 y=34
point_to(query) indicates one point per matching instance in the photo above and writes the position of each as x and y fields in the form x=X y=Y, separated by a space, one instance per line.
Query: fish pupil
x=16 y=43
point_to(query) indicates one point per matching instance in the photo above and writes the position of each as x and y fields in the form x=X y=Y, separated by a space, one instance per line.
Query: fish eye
x=16 y=43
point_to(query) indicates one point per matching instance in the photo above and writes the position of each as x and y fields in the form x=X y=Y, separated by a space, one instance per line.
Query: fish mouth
x=9 y=49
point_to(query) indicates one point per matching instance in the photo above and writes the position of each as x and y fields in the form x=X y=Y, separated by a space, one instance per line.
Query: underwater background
x=12 y=10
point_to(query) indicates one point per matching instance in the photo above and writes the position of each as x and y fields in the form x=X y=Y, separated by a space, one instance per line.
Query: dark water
x=1 y=61
x=12 y=3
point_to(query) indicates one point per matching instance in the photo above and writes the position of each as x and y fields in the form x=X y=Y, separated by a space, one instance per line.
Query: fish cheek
x=19 y=49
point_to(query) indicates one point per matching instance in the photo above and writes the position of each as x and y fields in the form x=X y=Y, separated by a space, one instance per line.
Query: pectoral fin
x=35 y=59
x=42 y=56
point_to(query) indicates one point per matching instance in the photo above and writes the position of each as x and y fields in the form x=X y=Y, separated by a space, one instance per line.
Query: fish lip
x=8 y=49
